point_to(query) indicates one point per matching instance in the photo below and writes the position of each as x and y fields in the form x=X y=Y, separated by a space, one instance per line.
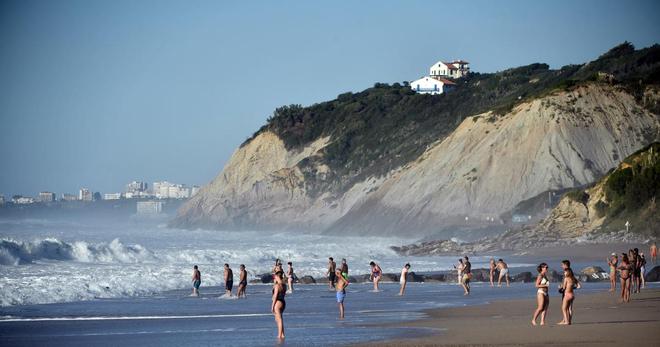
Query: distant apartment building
x=46 y=197
x=194 y=190
x=168 y=190
x=22 y=200
x=111 y=196
x=69 y=197
x=85 y=195
x=149 y=208
x=136 y=189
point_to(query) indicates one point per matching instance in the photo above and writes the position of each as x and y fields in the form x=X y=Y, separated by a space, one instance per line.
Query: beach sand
x=599 y=320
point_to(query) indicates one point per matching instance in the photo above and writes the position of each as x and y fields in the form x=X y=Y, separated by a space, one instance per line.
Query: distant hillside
x=387 y=160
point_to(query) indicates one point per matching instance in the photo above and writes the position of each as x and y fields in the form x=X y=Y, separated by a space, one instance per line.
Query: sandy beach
x=599 y=320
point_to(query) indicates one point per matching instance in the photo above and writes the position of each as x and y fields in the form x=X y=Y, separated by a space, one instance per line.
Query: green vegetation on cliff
x=387 y=126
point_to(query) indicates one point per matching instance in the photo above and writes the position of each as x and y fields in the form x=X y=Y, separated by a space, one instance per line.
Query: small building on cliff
x=432 y=85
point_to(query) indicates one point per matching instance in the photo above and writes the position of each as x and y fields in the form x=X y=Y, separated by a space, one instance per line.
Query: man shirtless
x=332 y=276
x=341 y=292
x=229 y=280
x=654 y=251
x=504 y=272
x=242 y=282
x=467 y=275
x=196 y=281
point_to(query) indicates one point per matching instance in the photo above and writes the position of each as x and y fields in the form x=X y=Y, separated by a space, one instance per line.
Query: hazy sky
x=99 y=93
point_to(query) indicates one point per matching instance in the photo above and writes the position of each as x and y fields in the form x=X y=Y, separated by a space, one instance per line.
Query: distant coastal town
x=159 y=190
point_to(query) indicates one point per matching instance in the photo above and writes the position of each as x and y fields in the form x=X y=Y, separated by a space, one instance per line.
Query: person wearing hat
x=613 y=261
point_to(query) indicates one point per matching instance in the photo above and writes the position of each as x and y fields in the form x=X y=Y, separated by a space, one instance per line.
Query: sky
x=100 y=93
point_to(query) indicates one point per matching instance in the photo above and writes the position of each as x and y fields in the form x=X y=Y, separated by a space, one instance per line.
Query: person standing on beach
x=638 y=270
x=341 y=292
x=504 y=272
x=459 y=271
x=376 y=274
x=196 y=281
x=566 y=265
x=229 y=280
x=289 y=277
x=642 y=269
x=332 y=276
x=633 y=270
x=492 y=271
x=613 y=261
x=242 y=282
x=344 y=268
x=542 y=298
x=404 y=278
x=569 y=296
x=654 y=252
x=624 y=274
x=277 y=267
x=278 y=305
x=467 y=275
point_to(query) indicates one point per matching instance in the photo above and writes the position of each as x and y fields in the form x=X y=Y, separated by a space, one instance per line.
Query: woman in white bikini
x=459 y=268
x=542 y=298
x=289 y=278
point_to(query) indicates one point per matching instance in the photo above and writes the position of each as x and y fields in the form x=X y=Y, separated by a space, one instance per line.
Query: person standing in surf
x=340 y=287
x=278 y=305
x=504 y=272
x=404 y=279
x=467 y=275
x=196 y=281
x=612 y=262
x=376 y=274
x=492 y=271
x=332 y=277
x=289 y=278
x=242 y=282
x=229 y=280
x=459 y=269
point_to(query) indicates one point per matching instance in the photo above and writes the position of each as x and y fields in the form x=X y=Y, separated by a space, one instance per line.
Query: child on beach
x=542 y=298
x=404 y=279
x=376 y=274
x=196 y=281
x=492 y=267
x=242 y=282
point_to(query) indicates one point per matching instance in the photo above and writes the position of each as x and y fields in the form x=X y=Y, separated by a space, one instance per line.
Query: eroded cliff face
x=484 y=168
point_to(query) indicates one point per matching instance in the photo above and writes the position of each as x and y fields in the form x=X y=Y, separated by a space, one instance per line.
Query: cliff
x=388 y=161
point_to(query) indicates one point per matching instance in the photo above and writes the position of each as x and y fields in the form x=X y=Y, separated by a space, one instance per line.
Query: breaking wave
x=25 y=252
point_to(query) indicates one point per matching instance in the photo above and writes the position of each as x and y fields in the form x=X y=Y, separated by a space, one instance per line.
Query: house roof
x=445 y=81
x=450 y=66
x=460 y=61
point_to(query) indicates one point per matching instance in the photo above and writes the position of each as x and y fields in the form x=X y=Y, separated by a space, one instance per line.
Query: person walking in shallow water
x=404 y=278
x=278 y=305
x=229 y=280
x=459 y=271
x=242 y=282
x=467 y=275
x=289 y=277
x=196 y=281
x=542 y=298
x=376 y=274
x=332 y=276
x=504 y=272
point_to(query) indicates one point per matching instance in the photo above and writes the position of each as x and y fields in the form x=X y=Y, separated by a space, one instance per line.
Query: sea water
x=69 y=284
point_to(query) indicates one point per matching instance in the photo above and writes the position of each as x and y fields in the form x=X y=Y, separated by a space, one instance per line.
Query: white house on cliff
x=432 y=85
x=438 y=80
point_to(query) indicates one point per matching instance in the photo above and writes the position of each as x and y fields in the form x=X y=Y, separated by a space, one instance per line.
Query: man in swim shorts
x=332 y=276
x=341 y=292
x=467 y=275
x=196 y=280
x=344 y=269
x=229 y=280
x=242 y=284
x=504 y=272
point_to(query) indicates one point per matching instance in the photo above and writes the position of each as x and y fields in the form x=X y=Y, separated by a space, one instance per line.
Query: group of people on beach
x=630 y=269
x=229 y=281
x=566 y=288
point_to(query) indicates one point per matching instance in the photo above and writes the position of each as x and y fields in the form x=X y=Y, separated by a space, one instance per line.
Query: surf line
x=48 y=319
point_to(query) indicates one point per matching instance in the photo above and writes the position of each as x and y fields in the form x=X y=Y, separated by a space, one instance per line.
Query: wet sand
x=599 y=320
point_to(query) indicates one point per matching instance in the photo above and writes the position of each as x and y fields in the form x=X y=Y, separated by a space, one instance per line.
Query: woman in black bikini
x=624 y=273
x=278 y=305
